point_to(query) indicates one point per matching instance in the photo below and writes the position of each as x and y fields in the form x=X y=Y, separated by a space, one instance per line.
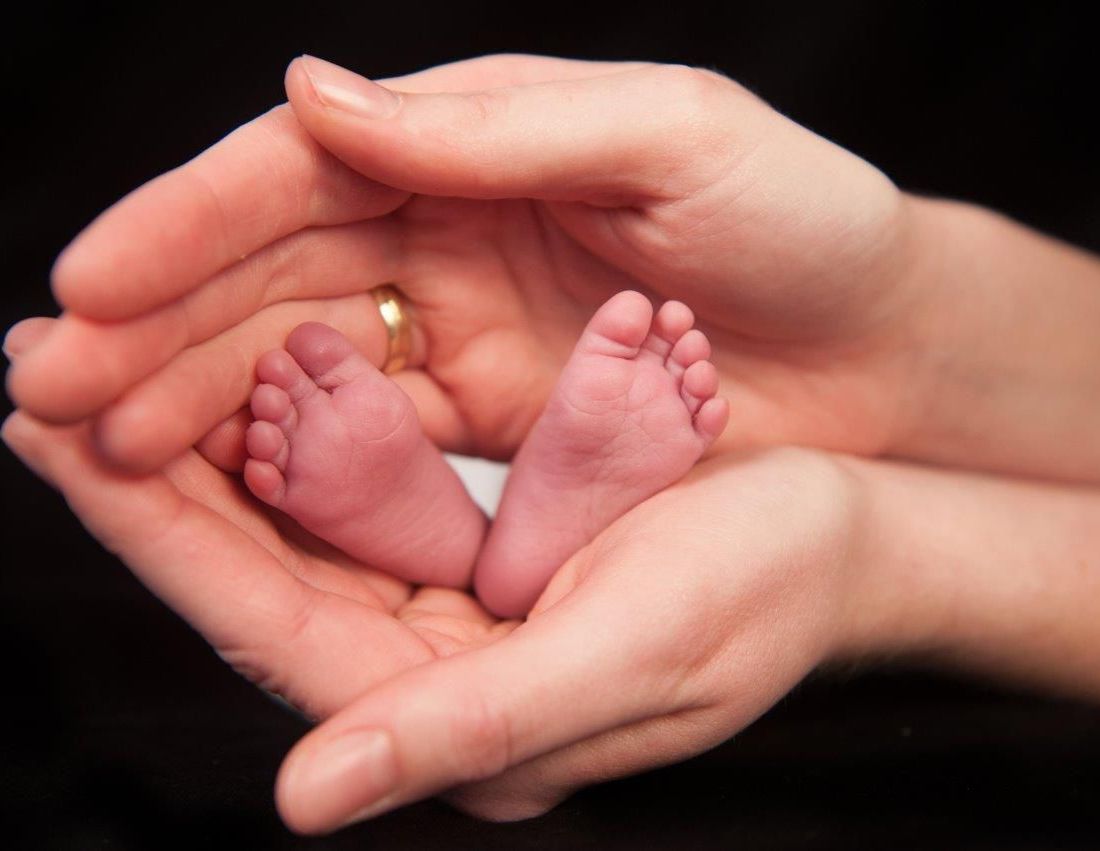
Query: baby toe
x=670 y=324
x=265 y=480
x=692 y=347
x=265 y=441
x=711 y=419
x=700 y=383
x=272 y=404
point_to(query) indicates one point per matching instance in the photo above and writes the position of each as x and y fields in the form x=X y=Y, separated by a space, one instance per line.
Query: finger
x=86 y=363
x=224 y=446
x=26 y=334
x=262 y=182
x=506 y=69
x=472 y=715
x=446 y=602
x=594 y=139
x=203 y=385
x=451 y=621
x=208 y=384
x=281 y=632
x=156 y=516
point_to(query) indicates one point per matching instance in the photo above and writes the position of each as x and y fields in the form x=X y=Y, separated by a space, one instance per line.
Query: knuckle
x=473 y=136
x=481 y=737
x=702 y=112
x=695 y=89
x=486 y=105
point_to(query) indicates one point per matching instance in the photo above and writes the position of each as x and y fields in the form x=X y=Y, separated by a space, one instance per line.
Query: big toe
x=619 y=326
x=326 y=355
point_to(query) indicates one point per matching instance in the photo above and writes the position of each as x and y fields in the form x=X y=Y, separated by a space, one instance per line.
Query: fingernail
x=347 y=779
x=339 y=88
x=25 y=335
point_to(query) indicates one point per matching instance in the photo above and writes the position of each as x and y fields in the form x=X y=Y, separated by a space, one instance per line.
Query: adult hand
x=675 y=628
x=680 y=625
x=505 y=212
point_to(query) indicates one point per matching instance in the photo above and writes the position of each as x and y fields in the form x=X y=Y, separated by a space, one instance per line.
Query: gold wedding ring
x=398 y=327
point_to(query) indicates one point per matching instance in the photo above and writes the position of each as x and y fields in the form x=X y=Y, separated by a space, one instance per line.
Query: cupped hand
x=507 y=197
x=293 y=614
x=678 y=626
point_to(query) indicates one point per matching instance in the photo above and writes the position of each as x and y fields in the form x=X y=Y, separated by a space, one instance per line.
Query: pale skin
x=338 y=446
x=833 y=303
x=846 y=314
x=783 y=560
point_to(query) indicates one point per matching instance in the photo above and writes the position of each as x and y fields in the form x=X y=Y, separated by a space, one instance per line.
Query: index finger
x=262 y=182
x=503 y=69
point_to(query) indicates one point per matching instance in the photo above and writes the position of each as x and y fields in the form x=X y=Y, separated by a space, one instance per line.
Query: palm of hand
x=805 y=340
x=289 y=612
x=503 y=288
x=329 y=634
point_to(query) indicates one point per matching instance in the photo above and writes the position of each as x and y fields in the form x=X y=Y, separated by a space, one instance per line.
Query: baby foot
x=338 y=447
x=632 y=412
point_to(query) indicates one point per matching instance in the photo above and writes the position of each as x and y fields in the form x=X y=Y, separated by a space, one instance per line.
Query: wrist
x=942 y=321
x=892 y=599
x=974 y=572
x=1002 y=372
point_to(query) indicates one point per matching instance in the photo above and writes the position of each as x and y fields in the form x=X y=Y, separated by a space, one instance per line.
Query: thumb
x=605 y=139
x=560 y=678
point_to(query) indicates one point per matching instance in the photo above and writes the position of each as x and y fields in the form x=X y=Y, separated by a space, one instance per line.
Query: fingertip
x=15 y=430
x=129 y=438
x=26 y=438
x=77 y=278
x=299 y=90
x=84 y=278
x=40 y=381
x=26 y=390
x=64 y=275
x=326 y=783
x=285 y=803
x=26 y=334
x=224 y=445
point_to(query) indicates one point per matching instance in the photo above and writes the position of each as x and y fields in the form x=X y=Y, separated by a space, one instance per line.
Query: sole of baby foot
x=633 y=410
x=337 y=446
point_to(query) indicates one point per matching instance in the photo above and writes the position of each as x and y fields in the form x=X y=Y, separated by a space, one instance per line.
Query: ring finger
x=85 y=364
x=205 y=384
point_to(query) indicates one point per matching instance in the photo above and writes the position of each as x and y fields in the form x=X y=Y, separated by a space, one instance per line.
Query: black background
x=123 y=730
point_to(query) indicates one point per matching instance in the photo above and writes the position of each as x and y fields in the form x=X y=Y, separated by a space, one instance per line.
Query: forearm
x=989 y=574
x=1010 y=376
